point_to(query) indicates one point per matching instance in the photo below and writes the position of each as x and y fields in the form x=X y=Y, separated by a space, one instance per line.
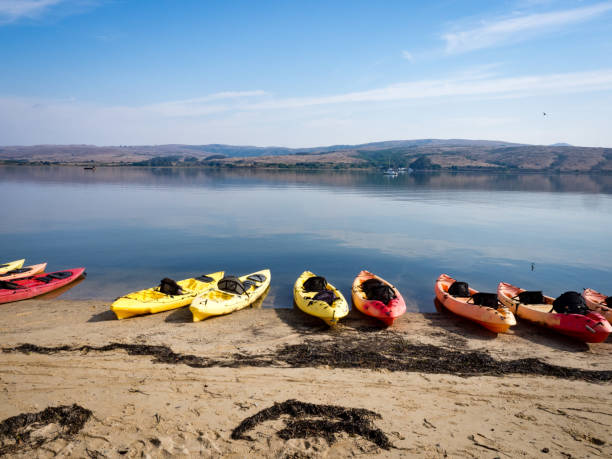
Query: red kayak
x=22 y=289
x=376 y=297
x=589 y=327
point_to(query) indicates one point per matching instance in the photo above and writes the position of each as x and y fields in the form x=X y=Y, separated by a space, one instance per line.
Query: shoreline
x=333 y=168
x=433 y=383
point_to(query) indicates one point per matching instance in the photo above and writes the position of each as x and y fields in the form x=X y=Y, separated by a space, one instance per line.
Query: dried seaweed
x=311 y=420
x=26 y=430
x=384 y=350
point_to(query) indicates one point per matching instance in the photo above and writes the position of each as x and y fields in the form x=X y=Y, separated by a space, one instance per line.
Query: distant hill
x=425 y=154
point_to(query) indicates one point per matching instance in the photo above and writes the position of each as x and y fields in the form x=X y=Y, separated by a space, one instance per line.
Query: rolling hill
x=425 y=154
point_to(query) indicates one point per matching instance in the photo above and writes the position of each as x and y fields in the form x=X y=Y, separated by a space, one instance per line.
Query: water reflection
x=188 y=177
x=132 y=226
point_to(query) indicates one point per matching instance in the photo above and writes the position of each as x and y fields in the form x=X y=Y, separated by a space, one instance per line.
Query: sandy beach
x=277 y=383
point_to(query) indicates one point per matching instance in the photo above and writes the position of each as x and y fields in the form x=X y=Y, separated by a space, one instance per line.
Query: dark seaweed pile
x=325 y=421
x=384 y=350
x=15 y=432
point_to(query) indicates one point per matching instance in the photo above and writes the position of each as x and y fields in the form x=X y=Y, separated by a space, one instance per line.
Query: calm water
x=130 y=227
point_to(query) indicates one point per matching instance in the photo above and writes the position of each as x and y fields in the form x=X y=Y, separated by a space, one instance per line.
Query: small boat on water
x=598 y=302
x=315 y=296
x=376 y=297
x=391 y=172
x=590 y=327
x=482 y=308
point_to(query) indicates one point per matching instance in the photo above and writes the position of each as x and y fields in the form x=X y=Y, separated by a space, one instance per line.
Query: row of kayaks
x=18 y=282
x=585 y=316
x=217 y=294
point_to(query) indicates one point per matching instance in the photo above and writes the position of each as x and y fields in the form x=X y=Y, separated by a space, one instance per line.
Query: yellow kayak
x=230 y=294
x=6 y=267
x=151 y=300
x=316 y=297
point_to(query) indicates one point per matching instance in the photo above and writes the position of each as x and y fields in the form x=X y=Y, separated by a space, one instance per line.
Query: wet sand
x=432 y=385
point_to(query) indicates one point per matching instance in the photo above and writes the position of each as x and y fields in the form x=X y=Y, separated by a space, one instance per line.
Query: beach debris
x=384 y=350
x=482 y=445
x=31 y=430
x=94 y=454
x=305 y=420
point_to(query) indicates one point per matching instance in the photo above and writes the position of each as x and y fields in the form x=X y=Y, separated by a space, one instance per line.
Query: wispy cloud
x=482 y=85
x=13 y=10
x=408 y=56
x=202 y=105
x=263 y=118
x=468 y=85
x=519 y=28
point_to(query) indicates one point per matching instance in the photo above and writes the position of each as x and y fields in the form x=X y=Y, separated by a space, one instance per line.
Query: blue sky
x=298 y=74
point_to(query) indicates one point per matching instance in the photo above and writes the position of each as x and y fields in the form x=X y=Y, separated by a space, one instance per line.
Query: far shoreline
x=291 y=168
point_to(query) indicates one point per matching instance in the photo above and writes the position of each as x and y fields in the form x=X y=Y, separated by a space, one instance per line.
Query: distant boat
x=391 y=172
x=90 y=168
x=401 y=170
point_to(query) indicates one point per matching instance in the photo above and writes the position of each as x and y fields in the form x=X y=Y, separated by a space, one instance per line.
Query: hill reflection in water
x=132 y=226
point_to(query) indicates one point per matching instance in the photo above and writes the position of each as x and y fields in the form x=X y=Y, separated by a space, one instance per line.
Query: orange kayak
x=590 y=328
x=377 y=307
x=20 y=273
x=498 y=320
x=597 y=302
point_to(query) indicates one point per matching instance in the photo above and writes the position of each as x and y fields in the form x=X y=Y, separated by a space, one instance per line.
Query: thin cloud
x=468 y=84
x=201 y=105
x=13 y=10
x=477 y=85
x=408 y=56
x=519 y=28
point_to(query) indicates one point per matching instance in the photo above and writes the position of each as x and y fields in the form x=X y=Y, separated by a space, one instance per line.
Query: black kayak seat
x=459 y=289
x=326 y=296
x=485 y=299
x=16 y=271
x=257 y=278
x=315 y=284
x=570 y=303
x=232 y=284
x=204 y=278
x=53 y=276
x=531 y=297
x=60 y=275
x=8 y=285
x=248 y=284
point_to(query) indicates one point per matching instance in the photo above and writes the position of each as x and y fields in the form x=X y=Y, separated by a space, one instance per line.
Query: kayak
x=368 y=297
x=597 y=302
x=19 y=273
x=590 y=328
x=498 y=319
x=29 y=287
x=326 y=303
x=6 y=267
x=152 y=300
x=230 y=294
